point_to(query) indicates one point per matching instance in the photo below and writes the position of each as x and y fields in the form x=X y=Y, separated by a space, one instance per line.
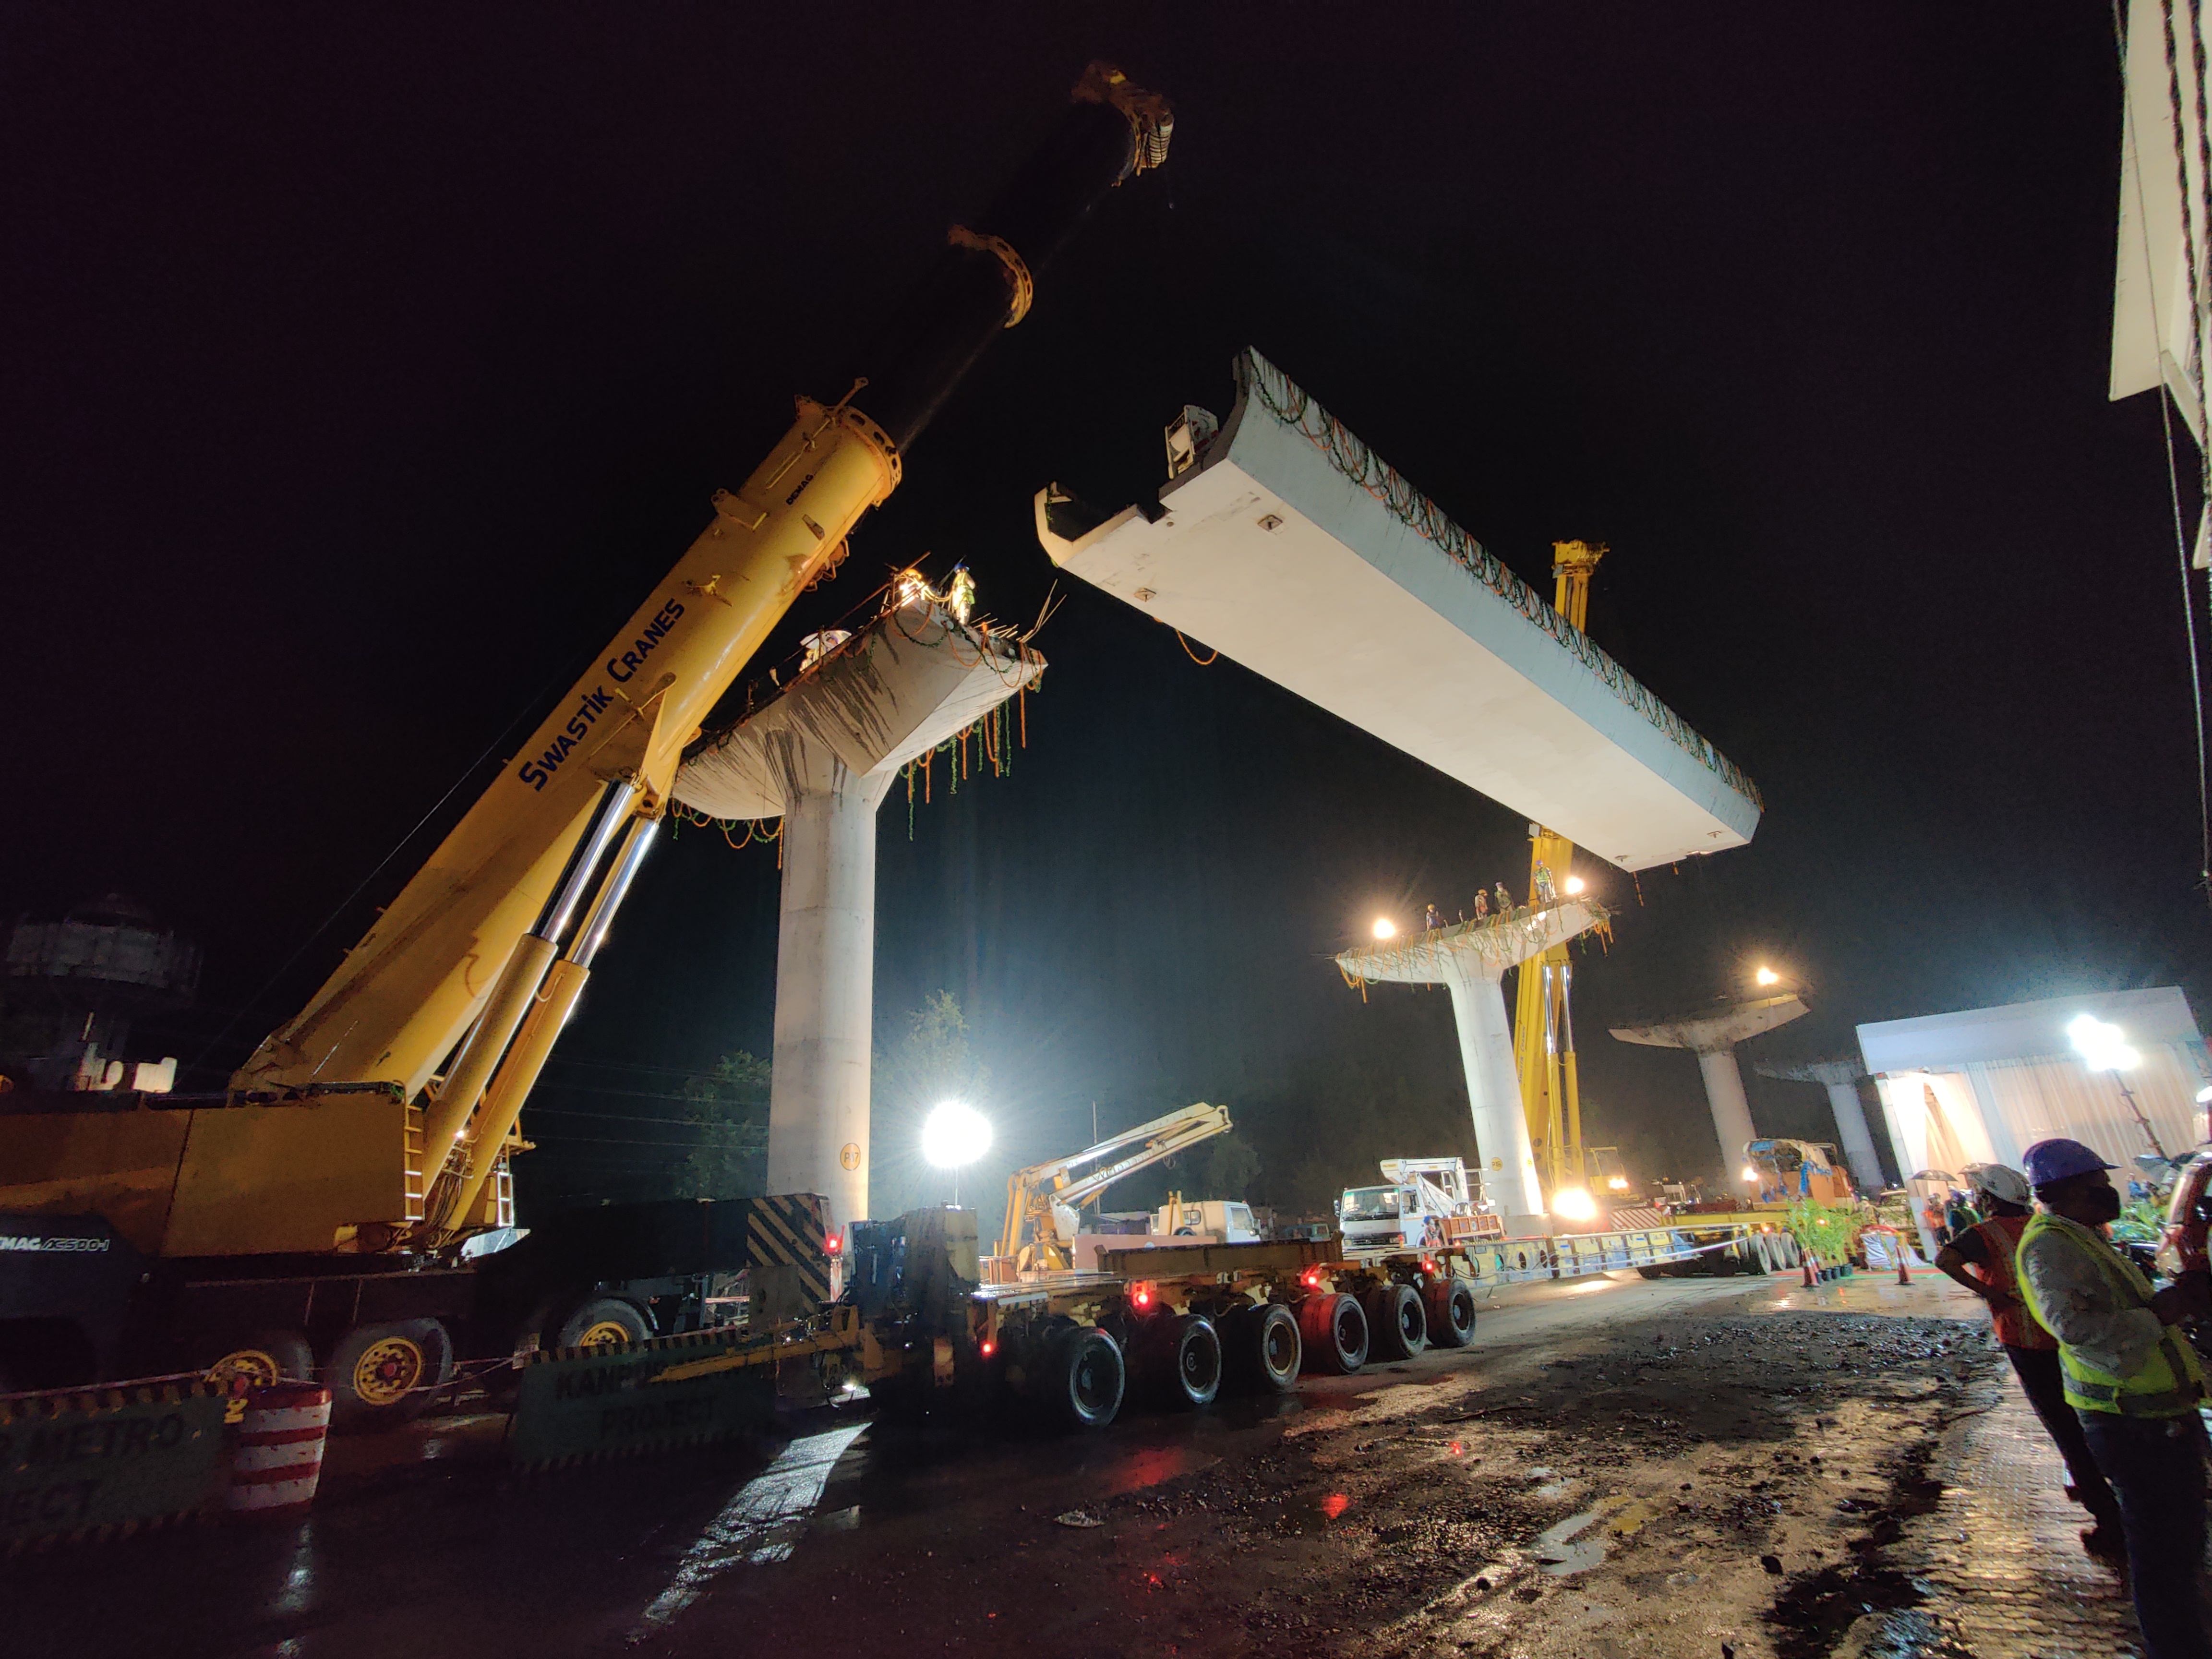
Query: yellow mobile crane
x=375 y=1123
x=1543 y=1024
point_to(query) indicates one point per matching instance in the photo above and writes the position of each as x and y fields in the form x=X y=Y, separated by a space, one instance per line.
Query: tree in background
x=1225 y=1167
x=729 y=1105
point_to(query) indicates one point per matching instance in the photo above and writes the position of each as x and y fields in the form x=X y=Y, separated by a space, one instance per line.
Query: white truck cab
x=1411 y=1211
x=1223 y=1219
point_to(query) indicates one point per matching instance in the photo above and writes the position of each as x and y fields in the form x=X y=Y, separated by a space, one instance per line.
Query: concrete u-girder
x=1712 y=1038
x=821 y=756
x=1841 y=1080
x=1470 y=960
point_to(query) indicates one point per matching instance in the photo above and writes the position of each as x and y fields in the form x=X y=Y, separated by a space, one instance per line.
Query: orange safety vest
x=2016 y=1327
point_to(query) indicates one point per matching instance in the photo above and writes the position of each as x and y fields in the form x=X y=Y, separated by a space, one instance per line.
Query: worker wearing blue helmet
x=2132 y=1379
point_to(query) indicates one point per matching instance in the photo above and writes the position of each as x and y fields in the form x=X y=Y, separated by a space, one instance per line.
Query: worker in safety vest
x=1981 y=1257
x=2131 y=1378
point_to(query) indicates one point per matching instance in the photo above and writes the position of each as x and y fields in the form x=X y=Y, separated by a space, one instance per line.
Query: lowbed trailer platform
x=1170 y=1327
x=1176 y=1325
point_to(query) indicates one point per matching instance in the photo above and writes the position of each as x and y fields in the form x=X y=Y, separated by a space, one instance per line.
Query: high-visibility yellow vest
x=2169 y=1382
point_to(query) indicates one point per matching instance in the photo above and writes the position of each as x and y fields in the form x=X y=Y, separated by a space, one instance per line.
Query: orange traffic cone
x=1809 y=1259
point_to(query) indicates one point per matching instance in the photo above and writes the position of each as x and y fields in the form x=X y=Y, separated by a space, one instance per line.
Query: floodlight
x=1768 y=976
x=2103 y=1046
x=1384 y=927
x=955 y=1135
x=1575 y=883
x=1573 y=1204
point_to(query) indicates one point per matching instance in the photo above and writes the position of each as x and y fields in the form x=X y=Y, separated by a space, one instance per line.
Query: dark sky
x=358 y=381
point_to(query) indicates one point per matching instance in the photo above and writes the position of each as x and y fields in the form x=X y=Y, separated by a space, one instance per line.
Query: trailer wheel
x=1397 y=1327
x=265 y=1356
x=380 y=1375
x=1451 y=1312
x=1183 y=1361
x=1334 y=1330
x=1267 y=1345
x=1087 y=1378
x=602 y=1323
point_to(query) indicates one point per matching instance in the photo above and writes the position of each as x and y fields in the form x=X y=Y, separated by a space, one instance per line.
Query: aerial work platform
x=1285 y=542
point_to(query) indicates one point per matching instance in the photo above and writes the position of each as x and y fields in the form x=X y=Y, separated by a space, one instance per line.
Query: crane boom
x=395 y=1092
x=471 y=952
x=1032 y=1194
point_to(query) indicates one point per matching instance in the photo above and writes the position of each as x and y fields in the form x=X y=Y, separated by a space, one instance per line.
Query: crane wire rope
x=536 y=698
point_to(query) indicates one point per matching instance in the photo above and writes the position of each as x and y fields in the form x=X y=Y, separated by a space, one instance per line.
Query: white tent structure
x=1982 y=1085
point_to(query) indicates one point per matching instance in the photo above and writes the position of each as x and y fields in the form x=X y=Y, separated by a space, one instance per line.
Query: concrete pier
x=1841 y=1080
x=1712 y=1038
x=1471 y=959
x=821 y=756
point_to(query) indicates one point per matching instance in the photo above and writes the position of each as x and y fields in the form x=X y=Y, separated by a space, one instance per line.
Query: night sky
x=359 y=380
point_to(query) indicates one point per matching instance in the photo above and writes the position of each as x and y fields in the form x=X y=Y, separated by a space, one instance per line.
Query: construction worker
x=2132 y=1380
x=1982 y=1258
x=1435 y=919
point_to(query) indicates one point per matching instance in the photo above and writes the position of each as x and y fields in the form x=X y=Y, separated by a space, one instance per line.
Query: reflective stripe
x=2170 y=1387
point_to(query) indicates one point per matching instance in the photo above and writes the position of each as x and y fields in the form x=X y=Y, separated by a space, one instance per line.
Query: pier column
x=1731 y=1107
x=1494 y=1092
x=817 y=1113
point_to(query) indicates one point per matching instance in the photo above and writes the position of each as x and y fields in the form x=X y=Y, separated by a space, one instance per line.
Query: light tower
x=1841 y=1080
x=821 y=756
x=1471 y=959
x=1712 y=1038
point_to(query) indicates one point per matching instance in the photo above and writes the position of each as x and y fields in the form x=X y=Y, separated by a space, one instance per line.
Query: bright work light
x=1573 y=1204
x=1768 y=976
x=1574 y=884
x=1384 y=927
x=2102 y=1047
x=955 y=1135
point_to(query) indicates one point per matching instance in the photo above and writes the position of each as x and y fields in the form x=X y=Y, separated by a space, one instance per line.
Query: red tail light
x=1141 y=1296
x=834 y=1243
x=1312 y=1279
x=989 y=1348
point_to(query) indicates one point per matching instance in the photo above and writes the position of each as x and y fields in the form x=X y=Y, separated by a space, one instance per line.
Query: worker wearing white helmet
x=1982 y=1257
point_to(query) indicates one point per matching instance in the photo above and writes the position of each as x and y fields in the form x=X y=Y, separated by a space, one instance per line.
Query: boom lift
x=1043 y=1201
x=376 y=1124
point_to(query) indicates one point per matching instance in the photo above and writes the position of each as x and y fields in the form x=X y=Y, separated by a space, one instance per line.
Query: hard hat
x=2058 y=1159
x=1999 y=1180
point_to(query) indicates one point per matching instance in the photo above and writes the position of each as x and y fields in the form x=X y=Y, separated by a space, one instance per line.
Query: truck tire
x=1332 y=1333
x=264 y=1358
x=380 y=1375
x=1264 y=1349
x=1180 y=1361
x=600 y=1323
x=1397 y=1325
x=1451 y=1312
x=1086 y=1378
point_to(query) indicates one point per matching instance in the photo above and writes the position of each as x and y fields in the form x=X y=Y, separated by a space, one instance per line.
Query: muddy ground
x=1616 y=1467
x=1724 y=1478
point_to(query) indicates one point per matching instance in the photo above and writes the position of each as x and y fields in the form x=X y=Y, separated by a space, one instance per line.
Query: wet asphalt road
x=424 y=1544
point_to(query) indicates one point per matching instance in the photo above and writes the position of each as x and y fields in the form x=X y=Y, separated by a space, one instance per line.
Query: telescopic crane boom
x=439 y=1018
x=1037 y=1198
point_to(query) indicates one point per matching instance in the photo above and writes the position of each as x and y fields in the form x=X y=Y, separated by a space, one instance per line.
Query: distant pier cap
x=1283 y=542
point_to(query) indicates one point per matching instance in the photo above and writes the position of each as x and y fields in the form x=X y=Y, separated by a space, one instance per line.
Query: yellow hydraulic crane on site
x=1543 y=1024
x=376 y=1118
